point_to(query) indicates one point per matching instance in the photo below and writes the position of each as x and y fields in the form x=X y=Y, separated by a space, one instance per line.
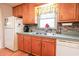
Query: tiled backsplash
x=67 y=28
x=34 y=28
x=42 y=30
x=70 y=30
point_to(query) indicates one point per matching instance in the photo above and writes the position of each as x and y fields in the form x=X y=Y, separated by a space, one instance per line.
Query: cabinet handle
x=44 y=46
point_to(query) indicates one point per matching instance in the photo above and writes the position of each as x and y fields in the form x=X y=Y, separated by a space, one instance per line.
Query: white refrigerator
x=13 y=25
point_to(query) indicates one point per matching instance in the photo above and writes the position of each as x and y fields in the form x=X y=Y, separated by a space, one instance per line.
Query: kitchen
x=39 y=29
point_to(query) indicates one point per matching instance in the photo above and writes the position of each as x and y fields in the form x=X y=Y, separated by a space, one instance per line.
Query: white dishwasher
x=67 y=48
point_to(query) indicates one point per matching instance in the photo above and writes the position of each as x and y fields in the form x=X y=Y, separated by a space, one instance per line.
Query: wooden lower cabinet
x=39 y=46
x=48 y=48
x=36 y=46
x=27 y=43
x=20 y=41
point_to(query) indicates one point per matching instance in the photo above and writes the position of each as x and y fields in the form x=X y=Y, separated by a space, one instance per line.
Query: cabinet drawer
x=27 y=36
x=49 y=39
x=20 y=36
x=36 y=38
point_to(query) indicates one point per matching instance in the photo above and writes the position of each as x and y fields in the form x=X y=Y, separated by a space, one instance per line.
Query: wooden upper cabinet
x=18 y=10
x=26 y=13
x=32 y=13
x=14 y=11
x=29 y=13
x=66 y=12
x=77 y=12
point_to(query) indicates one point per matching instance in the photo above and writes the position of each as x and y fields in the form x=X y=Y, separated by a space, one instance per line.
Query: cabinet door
x=32 y=13
x=20 y=41
x=14 y=11
x=29 y=13
x=48 y=47
x=27 y=43
x=26 y=13
x=77 y=12
x=67 y=12
x=36 y=46
x=17 y=11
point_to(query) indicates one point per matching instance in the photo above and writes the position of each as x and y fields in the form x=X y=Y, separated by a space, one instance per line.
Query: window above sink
x=47 y=18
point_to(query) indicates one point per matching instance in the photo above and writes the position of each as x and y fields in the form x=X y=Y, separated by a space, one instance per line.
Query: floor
x=7 y=52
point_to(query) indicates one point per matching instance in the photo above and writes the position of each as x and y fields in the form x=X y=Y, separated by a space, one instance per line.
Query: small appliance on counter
x=26 y=28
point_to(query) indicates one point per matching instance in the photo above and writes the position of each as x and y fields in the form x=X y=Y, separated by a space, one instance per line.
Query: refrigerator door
x=10 y=22
x=19 y=25
x=10 y=40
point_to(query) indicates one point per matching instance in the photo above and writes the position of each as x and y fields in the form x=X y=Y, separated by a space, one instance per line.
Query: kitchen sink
x=45 y=34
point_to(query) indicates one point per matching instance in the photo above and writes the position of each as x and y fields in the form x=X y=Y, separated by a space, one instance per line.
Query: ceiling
x=13 y=4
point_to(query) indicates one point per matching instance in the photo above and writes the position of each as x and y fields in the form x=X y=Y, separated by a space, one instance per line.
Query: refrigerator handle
x=5 y=22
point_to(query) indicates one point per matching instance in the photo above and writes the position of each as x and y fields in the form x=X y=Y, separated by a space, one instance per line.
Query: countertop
x=53 y=35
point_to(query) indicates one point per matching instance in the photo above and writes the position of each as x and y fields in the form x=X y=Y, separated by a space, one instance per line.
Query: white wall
x=1 y=29
x=5 y=11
